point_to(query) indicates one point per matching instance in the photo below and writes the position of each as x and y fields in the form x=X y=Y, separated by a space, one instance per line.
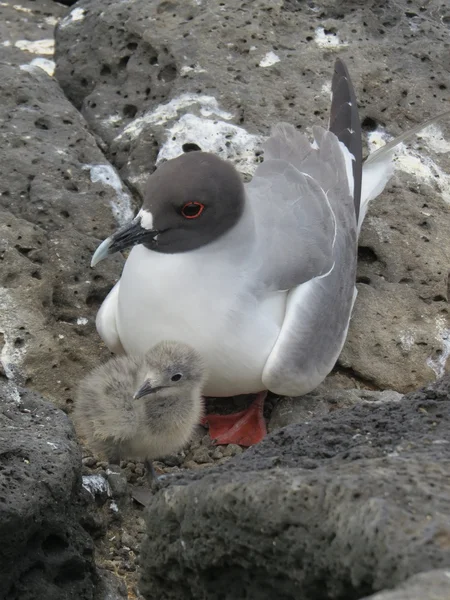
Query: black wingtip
x=345 y=124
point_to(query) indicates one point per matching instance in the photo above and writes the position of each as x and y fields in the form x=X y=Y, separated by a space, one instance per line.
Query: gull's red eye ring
x=192 y=210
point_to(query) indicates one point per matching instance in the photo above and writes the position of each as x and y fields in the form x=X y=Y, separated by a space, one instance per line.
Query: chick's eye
x=192 y=210
x=176 y=377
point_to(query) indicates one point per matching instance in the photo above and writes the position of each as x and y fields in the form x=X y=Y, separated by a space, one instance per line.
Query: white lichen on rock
x=46 y=47
x=269 y=59
x=121 y=205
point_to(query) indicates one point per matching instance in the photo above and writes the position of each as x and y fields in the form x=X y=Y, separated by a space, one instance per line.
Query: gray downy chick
x=143 y=407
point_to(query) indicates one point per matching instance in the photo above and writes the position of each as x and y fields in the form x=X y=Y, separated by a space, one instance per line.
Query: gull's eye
x=192 y=210
x=176 y=377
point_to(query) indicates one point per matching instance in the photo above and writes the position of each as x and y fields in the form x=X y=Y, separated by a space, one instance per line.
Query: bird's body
x=220 y=299
x=246 y=320
x=159 y=421
x=232 y=298
x=259 y=279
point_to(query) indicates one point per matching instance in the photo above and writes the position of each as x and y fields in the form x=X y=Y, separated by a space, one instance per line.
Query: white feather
x=375 y=176
x=106 y=321
x=378 y=168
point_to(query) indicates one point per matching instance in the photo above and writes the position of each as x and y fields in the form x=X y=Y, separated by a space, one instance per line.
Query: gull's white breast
x=201 y=299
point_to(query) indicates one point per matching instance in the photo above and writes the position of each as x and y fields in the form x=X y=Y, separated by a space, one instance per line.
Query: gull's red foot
x=245 y=428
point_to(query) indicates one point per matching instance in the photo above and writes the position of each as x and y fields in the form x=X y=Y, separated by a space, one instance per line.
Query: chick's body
x=142 y=407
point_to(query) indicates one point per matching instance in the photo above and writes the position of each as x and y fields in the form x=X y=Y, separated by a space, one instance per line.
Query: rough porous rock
x=321 y=402
x=26 y=31
x=434 y=585
x=341 y=507
x=44 y=552
x=156 y=78
x=58 y=196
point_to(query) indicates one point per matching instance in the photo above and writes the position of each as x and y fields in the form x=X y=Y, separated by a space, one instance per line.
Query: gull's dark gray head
x=189 y=201
x=171 y=367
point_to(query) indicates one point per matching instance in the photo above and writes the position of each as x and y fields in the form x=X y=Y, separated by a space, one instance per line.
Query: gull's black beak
x=127 y=236
x=146 y=389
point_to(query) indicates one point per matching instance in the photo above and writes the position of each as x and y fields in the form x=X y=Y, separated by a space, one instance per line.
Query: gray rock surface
x=341 y=507
x=44 y=551
x=151 y=77
x=56 y=190
x=323 y=401
x=111 y=587
x=26 y=31
x=434 y=585
x=58 y=195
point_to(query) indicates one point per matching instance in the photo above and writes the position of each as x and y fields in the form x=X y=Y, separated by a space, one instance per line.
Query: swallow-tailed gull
x=258 y=278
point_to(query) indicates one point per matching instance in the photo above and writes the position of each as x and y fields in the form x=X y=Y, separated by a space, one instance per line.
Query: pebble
x=173 y=460
x=128 y=540
x=139 y=470
x=114 y=511
x=140 y=525
x=118 y=483
x=223 y=460
x=190 y=464
x=197 y=436
x=98 y=488
x=114 y=586
x=232 y=450
x=102 y=464
x=201 y=455
x=217 y=453
x=194 y=445
x=94 y=523
x=168 y=470
x=89 y=461
x=207 y=442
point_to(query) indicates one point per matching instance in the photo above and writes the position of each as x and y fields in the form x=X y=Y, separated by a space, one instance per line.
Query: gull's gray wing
x=293 y=220
x=318 y=310
x=291 y=195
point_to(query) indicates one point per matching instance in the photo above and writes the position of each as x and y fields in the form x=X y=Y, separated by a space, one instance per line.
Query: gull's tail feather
x=404 y=136
x=344 y=123
x=379 y=166
x=375 y=176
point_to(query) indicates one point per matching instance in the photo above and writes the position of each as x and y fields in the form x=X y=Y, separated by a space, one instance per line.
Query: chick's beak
x=127 y=236
x=145 y=389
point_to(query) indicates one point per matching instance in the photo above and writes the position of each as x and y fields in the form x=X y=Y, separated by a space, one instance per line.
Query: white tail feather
x=375 y=176
x=379 y=167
